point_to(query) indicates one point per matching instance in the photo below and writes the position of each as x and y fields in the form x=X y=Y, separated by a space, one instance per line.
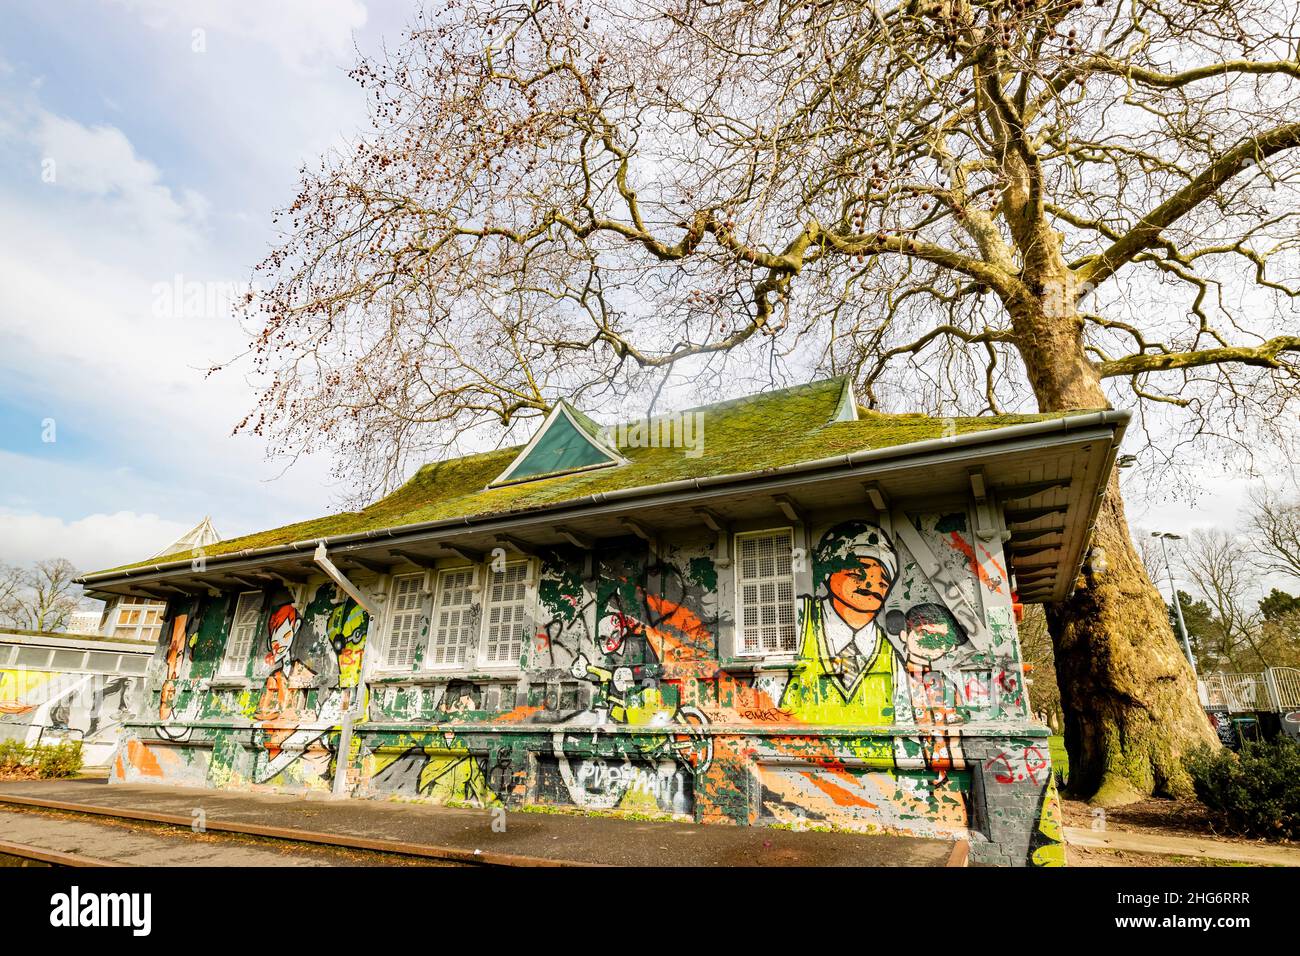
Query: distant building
x=85 y=622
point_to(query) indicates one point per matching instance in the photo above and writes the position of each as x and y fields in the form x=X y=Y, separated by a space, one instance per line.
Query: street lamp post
x=1164 y=537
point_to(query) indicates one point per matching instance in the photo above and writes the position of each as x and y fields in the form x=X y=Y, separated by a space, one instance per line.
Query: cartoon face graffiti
x=293 y=705
x=347 y=633
x=279 y=706
x=620 y=627
x=281 y=627
x=928 y=632
x=858 y=592
x=854 y=567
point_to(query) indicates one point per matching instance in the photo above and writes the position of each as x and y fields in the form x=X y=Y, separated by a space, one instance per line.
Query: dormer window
x=567 y=442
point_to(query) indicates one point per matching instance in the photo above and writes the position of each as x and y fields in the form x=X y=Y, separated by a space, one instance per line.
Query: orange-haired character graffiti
x=287 y=726
x=174 y=724
x=281 y=706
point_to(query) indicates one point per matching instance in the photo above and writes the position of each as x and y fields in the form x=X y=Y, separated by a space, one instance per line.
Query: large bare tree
x=968 y=206
x=41 y=597
x=1274 y=526
x=1221 y=569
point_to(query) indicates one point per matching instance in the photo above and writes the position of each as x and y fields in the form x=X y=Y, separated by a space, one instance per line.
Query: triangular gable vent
x=567 y=442
x=847 y=408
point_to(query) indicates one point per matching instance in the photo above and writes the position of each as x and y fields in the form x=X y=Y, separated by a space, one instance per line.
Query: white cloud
x=141 y=429
x=92 y=543
x=100 y=162
x=306 y=34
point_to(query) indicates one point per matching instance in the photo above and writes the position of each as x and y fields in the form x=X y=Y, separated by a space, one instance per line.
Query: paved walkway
x=528 y=838
x=1197 y=847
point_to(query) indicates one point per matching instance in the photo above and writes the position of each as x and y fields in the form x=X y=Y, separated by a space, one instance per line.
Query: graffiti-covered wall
x=857 y=672
x=54 y=689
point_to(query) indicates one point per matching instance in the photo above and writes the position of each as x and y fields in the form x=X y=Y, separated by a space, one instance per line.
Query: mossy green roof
x=759 y=432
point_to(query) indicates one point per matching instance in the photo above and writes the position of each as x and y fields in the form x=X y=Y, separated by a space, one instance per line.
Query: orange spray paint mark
x=519 y=713
x=962 y=545
x=142 y=759
x=839 y=796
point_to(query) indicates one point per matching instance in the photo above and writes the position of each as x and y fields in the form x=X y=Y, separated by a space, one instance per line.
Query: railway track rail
x=281 y=835
x=36 y=855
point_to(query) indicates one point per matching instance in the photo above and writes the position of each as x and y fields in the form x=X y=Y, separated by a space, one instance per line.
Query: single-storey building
x=70 y=687
x=784 y=609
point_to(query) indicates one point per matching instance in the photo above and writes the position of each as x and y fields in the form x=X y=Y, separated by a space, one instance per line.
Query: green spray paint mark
x=702 y=572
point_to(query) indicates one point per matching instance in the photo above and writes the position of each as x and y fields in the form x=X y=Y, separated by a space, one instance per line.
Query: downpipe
x=321 y=557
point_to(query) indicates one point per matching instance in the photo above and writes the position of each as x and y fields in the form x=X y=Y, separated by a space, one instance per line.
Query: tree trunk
x=1128 y=694
x=1130 y=701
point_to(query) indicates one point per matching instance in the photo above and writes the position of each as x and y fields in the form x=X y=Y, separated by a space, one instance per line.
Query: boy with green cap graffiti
x=927 y=634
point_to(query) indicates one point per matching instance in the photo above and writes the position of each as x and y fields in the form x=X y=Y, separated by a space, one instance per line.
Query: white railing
x=1236 y=692
x=1276 y=689
x=1283 y=687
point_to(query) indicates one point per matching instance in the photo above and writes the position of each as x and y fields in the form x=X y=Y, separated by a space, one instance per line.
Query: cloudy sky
x=137 y=154
x=143 y=146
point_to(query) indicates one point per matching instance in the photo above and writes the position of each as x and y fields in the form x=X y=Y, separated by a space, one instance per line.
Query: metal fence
x=1276 y=689
x=44 y=733
x=1284 y=687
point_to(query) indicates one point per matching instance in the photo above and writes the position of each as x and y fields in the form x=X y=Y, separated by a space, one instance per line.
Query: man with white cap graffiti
x=848 y=672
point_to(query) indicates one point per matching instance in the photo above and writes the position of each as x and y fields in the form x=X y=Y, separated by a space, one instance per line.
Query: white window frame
x=485 y=615
x=475 y=573
x=738 y=584
x=232 y=666
x=390 y=621
x=137 y=631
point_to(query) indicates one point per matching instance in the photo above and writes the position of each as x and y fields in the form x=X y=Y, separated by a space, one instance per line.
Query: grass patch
x=1060 y=760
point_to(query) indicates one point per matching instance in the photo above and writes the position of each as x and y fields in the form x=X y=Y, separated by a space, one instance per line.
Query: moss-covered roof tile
x=768 y=430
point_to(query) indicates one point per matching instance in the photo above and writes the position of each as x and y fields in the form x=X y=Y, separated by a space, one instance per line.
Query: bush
x=61 y=760
x=13 y=754
x=1256 y=792
x=44 y=760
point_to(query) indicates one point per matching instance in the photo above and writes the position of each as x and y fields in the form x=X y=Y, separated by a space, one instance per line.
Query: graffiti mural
x=848 y=672
x=290 y=698
x=49 y=706
x=890 y=710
